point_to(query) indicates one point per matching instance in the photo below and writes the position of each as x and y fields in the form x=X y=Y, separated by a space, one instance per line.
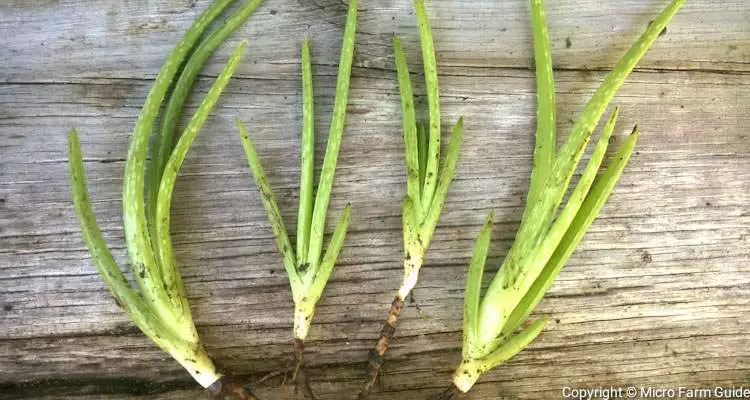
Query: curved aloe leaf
x=170 y=275
x=163 y=143
x=142 y=257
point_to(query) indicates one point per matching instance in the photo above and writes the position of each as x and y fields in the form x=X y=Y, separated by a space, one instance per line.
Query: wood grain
x=657 y=295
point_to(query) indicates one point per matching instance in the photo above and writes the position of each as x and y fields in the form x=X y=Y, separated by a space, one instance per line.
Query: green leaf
x=586 y=215
x=329 y=259
x=515 y=344
x=163 y=144
x=584 y=126
x=514 y=276
x=433 y=101
x=542 y=253
x=533 y=228
x=474 y=285
x=159 y=331
x=596 y=107
x=448 y=172
x=145 y=265
x=529 y=269
x=272 y=210
x=135 y=306
x=544 y=149
x=307 y=162
x=172 y=281
x=514 y=271
x=423 y=145
x=317 y=228
x=411 y=150
x=409 y=224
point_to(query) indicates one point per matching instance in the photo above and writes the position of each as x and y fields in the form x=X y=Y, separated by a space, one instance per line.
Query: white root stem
x=303 y=316
x=412 y=264
x=466 y=375
x=200 y=366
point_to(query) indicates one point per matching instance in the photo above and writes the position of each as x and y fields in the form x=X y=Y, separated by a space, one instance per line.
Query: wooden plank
x=657 y=294
x=49 y=41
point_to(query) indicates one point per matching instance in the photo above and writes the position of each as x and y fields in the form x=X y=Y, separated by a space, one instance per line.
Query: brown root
x=299 y=376
x=451 y=393
x=226 y=389
x=375 y=358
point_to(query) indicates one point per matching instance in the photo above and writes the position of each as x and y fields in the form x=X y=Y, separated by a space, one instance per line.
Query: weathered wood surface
x=657 y=295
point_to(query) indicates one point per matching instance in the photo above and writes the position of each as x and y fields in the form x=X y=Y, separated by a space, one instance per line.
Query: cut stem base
x=226 y=388
x=451 y=393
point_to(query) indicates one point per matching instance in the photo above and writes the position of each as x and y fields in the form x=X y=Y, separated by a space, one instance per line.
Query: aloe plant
x=159 y=305
x=544 y=242
x=426 y=192
x=307 y=268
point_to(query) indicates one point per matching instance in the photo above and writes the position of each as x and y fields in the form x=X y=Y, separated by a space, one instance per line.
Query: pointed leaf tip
x=635 y=131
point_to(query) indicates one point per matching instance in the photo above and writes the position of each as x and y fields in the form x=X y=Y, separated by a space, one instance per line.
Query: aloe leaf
x=595 y=108
x=544 y=250
x=411 y=146
x=422 y=144
x=446 y=177
x=134 y=306
x=433 y=102
x=323 y=196
x=516 y=344
x=545 y=143
x=585 y=216
x=307 y=157
x=163 y=144
x=144 y=262
x=474 y=285
x=272 y=209
x=172 y=281
x=533 y=228
x=331 y=255
x=110 y=272
x=409 y=224
x=590 y=117
x=186 y=352
x=568 y=212
x=514 y=276
x=542 y=246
